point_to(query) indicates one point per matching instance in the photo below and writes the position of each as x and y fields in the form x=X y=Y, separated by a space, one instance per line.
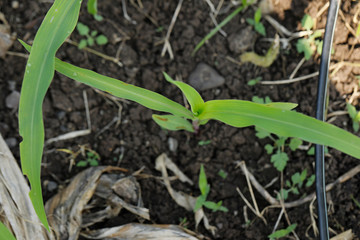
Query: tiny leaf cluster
x=91 y=37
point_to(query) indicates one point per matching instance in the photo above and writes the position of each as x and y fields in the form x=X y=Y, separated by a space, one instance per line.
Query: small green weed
x=204 y=142
x=308 y=45
x=254 y=81
x=282 y=232
x=222 y=174
x=91 y=37
x=354 y=115
x=205 y=189
x=92 y=159
x=297 y=181
x=258 y=26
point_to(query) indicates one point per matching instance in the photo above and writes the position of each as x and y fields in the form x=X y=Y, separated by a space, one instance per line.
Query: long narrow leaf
x=120 y=89
x=192 y=96
x=58 y=23
x=5 y=233
x=286 y=123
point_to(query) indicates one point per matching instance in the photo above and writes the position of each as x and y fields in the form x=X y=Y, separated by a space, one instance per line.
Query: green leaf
x=307 y=22
x=203 y=184
x=82 y=44
x=222 y=174
x=254 y=81
x=283 y=194
x=310 y=181
x=358 y=30
x=82 y=164
x=287 y=183
x=257 y=15
x=101 y=40
x=239 y=113
x=192 y=96
x=279 y=160
x=294 y=143
x=5 y=233
x=280 y=142
x=93 y=162
x=93 y=33
x=199 y=202
x=217 y=28
x=215 y=206
x=319 y=46
x=351 y=110
x=204 y=142
x=261 y=133
x=250 y=21
x=173 y=122
x=355 y=126
x=259 y=27
x=294 y=190
x=120 y=89
x=269 y=149
x=283 y=232
x=311 y=151
x=57 y=25
x=304 y=46
x=296 y=178
x=92 y=9
x=257 y=99
x=303 y=175
x=82 y=29
x=90 y=41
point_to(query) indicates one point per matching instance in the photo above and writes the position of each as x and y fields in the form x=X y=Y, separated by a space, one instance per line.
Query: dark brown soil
x=137 y=140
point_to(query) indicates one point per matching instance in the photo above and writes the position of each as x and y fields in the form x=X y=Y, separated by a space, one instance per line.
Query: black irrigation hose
x=320 y=110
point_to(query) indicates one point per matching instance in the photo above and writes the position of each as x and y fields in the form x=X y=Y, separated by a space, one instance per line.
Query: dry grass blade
x=66 y=209
x=135 y=231
x=17 y=211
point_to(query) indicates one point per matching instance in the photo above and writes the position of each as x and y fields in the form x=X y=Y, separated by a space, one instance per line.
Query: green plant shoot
x=92 y=9
x=57 y=25
x=61 y=20
x=91 y=37
x=258 y=26
x=282 y=232
x=354 y=115
x=205 y=189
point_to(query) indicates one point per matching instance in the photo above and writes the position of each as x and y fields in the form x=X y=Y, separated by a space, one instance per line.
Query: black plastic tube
x=320 y=110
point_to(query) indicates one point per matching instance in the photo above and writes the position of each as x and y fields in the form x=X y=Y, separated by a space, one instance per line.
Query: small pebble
x=12 y=100
x=242 y=40
x=15 y=4
x=11 y=142
x=60 y=115
x=205 y=77
x=12 y=85
x=173 y=144
x=51 y=186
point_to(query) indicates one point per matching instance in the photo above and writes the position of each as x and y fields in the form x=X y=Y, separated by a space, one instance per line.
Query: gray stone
x=173 y=144
x=242 y=40
x=205 y=77
x=11 y=142
x=12 y=100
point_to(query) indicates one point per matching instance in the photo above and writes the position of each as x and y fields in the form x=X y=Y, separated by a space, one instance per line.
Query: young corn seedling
x=312 y=43
x=91 y=37
x=255 y=22
x=57 y=25
x=205 y=189
x=354 y=115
